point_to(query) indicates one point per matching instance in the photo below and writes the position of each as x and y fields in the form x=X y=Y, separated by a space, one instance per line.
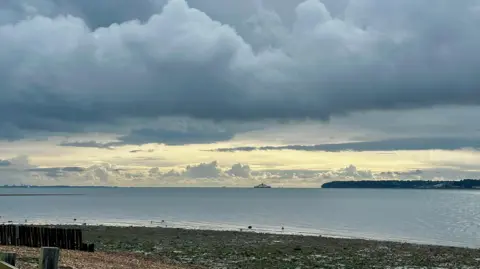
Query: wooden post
x=17 y=235
x=91 y=248
x=8 y=258
x=49 y=258
x=4 y=265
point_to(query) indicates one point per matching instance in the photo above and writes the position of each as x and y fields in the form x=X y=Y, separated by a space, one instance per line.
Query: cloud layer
x=215 y=174
x=21 y=171
x=63 y=73
x=170 y=131
x=419 y=143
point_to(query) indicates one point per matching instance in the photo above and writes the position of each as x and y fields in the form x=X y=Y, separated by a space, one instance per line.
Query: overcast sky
x=224 y=92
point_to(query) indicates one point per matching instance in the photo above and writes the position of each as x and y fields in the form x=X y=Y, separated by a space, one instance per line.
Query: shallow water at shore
x=419 y=216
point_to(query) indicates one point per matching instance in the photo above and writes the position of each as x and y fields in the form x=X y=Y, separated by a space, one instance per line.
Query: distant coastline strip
x=40 y=194
x=404 y=184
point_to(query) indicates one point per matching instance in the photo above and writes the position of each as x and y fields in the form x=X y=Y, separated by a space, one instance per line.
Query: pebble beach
x=173 y=248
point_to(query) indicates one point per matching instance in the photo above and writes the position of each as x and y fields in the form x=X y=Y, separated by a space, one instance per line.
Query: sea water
x=440 y=217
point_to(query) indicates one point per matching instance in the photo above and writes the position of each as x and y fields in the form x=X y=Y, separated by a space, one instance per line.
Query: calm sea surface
x=424 y=216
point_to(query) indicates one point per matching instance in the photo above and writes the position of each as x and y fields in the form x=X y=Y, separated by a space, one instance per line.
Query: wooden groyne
x=40 y=236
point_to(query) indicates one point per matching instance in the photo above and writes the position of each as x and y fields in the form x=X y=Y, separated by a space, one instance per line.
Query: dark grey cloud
x=4 y=163
x=73 y=169
x=248 y=148
x=56 y=171
x=61 y=74
x=139 y=150
x=171 y=132
x=95 y=13
x=88 y=144
x=147 y=136
x=103 y=13
x=174 y=137
x=424 y=143
x=61 y=169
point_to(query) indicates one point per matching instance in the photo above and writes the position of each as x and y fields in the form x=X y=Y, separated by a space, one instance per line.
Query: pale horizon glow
x=194 y=93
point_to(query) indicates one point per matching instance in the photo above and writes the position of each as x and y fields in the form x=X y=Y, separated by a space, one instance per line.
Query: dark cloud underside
x=189 y=135
x=53 y=169
x=87 y=144
x=65 y=73
x=380 y=145
x=57 y=171
x=173 y=137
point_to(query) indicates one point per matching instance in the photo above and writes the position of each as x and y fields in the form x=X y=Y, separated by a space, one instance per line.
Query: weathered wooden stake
x=17 y=235
x=9 y=258
x=49 y=258
x=4 y=265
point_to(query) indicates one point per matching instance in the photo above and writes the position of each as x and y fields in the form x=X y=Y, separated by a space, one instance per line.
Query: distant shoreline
x=40 y=194
x=57 y=187
x=465 y=184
